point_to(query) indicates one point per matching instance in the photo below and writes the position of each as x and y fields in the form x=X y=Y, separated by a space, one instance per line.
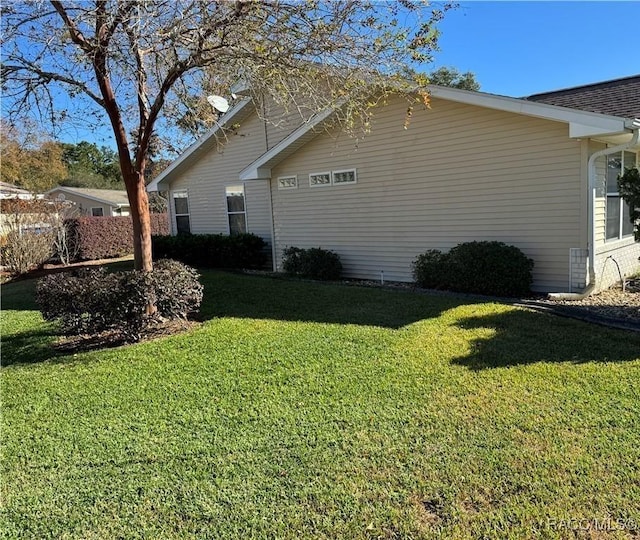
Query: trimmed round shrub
x=486 y=267
x=312 y=263
x=90 y=301
x=177 y=289
x=429 y=269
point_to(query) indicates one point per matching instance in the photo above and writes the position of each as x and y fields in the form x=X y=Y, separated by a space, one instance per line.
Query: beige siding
x=206 y=180
x=459 y=173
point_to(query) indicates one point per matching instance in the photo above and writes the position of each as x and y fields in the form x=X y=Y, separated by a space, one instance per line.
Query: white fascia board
x=582 y=123
x=162 y=178
x=260 y=169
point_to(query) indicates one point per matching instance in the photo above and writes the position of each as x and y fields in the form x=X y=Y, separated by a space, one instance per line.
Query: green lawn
x=301 y=410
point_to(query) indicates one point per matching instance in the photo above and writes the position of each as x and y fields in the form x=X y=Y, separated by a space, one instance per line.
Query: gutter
x=591 y=168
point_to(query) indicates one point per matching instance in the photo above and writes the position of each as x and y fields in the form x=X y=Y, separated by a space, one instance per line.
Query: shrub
x=178 y=291
x=491 y=268
x=108 y=237
x=25 y=250
x=313 y=263
x=91 y=301
x=430 y=269
x=212 y=250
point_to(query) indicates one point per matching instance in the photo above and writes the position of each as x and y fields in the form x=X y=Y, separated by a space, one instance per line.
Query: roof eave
x=161 y=182
x=86 y=195
x=581 y=123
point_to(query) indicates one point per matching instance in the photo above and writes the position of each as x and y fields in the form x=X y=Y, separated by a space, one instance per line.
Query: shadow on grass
x=242 y=296
x=518 y=336
x=524 y=337
x=29 y=347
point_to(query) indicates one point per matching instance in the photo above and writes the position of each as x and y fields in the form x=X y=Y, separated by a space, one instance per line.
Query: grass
x=323 y=411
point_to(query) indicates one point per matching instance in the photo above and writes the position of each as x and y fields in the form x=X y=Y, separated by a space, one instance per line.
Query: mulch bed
x=112 y=338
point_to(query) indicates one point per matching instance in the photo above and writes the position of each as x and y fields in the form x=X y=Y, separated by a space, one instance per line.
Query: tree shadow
x=261 y=297
x=30 y=347
x=523 y=337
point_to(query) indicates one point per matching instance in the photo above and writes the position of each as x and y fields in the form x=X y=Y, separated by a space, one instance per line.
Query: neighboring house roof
x=10 y=191
x=113 y=197
x=618 y=97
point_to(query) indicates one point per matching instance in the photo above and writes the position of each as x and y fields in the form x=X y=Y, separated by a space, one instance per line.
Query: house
x=11 y=191
x=538 y=173
x=93 y=202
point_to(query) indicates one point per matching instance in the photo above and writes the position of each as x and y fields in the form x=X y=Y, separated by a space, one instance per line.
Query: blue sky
x=521 y=48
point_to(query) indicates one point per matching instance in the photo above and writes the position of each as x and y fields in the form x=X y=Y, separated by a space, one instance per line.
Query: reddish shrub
x=109 y=237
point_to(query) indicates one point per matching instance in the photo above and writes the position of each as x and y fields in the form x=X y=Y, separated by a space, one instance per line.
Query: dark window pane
x=181 y=205
x=97 y=212
x=627 y=225
x=182 y=225
x=235 y=202
x=613 y=217
x=237 y=223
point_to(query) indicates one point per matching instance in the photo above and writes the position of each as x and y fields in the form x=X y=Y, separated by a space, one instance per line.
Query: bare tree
x=145 y=63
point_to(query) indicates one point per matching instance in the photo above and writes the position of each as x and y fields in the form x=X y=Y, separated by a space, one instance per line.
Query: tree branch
x=48 y=76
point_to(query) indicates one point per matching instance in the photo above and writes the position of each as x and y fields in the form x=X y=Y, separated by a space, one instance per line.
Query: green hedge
x=492 y=268
x=312 y=263
x=212 y=250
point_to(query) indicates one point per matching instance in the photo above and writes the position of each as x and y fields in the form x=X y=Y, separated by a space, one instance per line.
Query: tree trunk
x=139 y=202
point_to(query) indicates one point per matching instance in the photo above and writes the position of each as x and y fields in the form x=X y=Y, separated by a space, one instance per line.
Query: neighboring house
x=10 y=191
x=536 y=173
x=21 y=211
x=93 y=202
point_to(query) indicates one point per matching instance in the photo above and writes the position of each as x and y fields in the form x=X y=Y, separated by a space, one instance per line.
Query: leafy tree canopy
x=91 y=166
x=451 y=77
x=30 y=162
x=140 y=66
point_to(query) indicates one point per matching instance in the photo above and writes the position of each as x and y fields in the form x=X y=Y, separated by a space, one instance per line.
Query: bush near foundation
x=312 y=263
x=91 y=301
x=212 y=250
x=491 y=268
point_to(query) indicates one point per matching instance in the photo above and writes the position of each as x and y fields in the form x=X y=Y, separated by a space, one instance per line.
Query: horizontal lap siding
x=459 y=173
x=208 y=177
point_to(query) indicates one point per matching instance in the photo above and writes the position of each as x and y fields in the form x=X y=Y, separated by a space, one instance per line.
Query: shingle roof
x=113 y=196
x=619 y=97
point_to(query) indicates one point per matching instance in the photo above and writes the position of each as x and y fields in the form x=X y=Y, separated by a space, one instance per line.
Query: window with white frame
x=236 y=210
x=618 y=222
x=320 y=179
x=181 y=211
x=287 y=182
x=97 y=211
x=343 y=177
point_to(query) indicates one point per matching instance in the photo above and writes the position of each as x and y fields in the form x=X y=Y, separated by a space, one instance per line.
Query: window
x=287 y=182
x=320 y=179
x=97 y=211
x=343 y=177
x=181 y=212
x=618 y=223
x=236 y=210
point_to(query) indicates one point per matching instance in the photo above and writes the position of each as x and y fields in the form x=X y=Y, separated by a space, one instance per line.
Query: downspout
x=591 y=172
